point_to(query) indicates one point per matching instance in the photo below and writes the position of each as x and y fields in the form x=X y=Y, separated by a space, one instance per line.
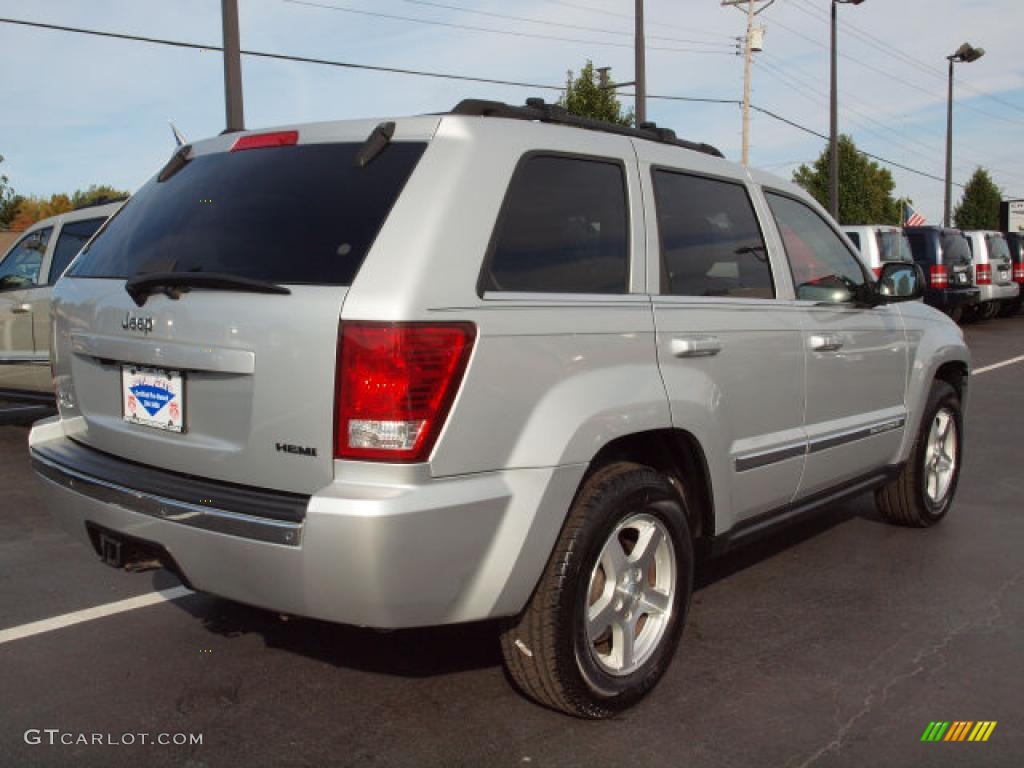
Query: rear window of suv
x=302 y=214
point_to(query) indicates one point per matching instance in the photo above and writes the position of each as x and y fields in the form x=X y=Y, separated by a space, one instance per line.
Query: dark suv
x=945 y=256
x=1016 y=242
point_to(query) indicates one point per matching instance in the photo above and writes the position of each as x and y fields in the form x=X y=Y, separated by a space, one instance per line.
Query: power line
x=891 y=76
x=547 y=23
x=629 y=16
x=508 y=32
x=426 y=73
x=870 y=39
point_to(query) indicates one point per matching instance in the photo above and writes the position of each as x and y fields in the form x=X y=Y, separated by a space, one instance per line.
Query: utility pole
x=748 y=59
x=833 y=142
x=641 y=76
x=232 y=67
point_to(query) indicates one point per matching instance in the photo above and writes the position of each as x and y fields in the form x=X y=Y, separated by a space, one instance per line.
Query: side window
x=711 y=244
x=854 y=238
x=20 y=268
x=822 y=266
x=73 y=235
x=563 y=229
x=918 y=246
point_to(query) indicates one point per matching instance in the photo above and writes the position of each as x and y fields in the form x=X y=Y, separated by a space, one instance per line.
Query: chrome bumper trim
x=171 y=510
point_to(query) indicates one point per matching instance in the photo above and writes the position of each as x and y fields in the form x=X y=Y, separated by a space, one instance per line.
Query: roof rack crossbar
x=539 y=110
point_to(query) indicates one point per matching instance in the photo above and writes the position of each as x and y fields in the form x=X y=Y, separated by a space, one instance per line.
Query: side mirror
x=900 y=281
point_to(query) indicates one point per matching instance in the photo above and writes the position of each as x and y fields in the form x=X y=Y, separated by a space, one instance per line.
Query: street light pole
x=833 y=136
x=966 y=53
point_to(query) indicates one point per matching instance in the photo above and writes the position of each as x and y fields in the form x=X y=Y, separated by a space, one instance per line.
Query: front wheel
x=605 y=619
x=923 y=491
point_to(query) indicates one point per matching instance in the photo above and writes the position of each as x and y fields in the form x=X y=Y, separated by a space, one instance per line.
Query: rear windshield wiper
x=141 y=286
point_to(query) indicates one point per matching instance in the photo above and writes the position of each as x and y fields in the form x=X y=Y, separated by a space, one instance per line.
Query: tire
x=909 y=499
x=990 y=311
x=956 y=315
x=559 y=658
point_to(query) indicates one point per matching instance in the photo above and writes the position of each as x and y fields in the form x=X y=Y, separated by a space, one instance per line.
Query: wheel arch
x=680 y=456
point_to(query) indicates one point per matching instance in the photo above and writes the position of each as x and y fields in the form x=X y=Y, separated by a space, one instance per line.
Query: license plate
x=153 y=397
x=962 y=277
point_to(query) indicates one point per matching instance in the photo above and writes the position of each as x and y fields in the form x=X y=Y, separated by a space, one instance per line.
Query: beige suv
x=27 y=273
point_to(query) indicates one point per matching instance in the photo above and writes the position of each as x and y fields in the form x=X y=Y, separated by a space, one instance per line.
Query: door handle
x=21 y=309
x=826 y=342
x=696 y=346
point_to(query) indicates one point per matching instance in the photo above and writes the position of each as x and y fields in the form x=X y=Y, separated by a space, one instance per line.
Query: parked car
x=497 y=363
x=945 y=256
x=27 y=273
x=879 y=244
x=1015 y=241
x=993 y=272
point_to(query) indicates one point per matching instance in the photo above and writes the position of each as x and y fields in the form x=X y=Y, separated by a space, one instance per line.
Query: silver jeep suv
x=497 y=363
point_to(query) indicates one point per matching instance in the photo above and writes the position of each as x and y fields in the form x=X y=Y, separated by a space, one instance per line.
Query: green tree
x=979 y=206
x=865 y=187
x=97 y=194
x=585 y=97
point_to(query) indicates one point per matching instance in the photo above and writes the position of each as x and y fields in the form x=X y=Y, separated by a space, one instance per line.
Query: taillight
x=262 y=140
x=1018 y=272
x=877 y=271
x=983 y=274
x=939 y=278
x=395 y=384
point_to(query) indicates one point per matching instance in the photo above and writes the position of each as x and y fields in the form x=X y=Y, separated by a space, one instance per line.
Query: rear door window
x=854 y=238
x=997 y=247
x=303 y=214
x=711 y=244
x=956 y=247
x=73 y=235
x=894 y=246
x=563 y=228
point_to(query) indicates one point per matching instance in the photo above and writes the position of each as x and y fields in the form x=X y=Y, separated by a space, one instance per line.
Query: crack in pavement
x=919 y=664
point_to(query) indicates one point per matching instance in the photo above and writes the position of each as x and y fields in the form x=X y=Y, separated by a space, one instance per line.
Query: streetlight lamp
x=966 y=53
x=833 y=179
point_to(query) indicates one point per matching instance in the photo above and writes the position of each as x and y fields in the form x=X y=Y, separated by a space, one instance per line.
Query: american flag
x=912 y=218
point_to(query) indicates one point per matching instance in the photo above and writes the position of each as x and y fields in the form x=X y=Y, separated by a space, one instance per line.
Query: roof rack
x=538 y=109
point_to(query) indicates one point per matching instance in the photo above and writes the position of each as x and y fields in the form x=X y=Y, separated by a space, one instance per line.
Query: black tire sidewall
x=941 y=396
x=654 y=496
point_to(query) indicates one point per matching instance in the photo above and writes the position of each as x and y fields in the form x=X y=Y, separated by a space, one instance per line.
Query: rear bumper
x=952 y=298
x=1006 y=292
x=448 y=550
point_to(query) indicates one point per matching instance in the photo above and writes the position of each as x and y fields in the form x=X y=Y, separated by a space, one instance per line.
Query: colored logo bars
x=959 y=730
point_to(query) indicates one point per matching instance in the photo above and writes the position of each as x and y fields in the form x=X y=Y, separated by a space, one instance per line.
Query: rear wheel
x=990 y=310
x=604 y=622
x=922 y=493
x=956 y=314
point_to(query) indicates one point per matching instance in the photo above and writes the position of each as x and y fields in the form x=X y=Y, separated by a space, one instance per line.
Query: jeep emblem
x=143 y=324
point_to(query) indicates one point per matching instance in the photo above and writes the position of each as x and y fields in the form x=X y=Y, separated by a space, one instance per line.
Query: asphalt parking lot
x=834 y=643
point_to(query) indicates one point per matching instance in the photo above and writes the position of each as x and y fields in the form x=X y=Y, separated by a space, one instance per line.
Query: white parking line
x=77 y=617
x=1003 y=364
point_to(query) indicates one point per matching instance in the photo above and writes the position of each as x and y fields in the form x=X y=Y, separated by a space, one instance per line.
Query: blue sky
x=81 y=110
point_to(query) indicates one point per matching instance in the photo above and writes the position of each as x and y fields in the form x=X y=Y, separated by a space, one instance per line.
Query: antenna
x=179 y=137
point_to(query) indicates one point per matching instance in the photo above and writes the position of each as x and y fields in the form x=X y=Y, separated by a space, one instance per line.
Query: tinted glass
x=997 y=248
x=73 y=235
x=711 y=244
x=298 y=214
x=894 y=246
x=919 y=246
x=1016 y=241
x=817 y=257
x=20 y=267
x=854 y=238
x=956 y=247
x=563 y=229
